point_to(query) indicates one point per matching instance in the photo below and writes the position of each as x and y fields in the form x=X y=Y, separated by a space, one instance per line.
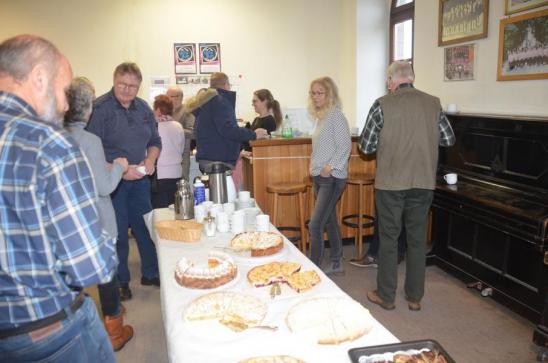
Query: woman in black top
x=270 y=114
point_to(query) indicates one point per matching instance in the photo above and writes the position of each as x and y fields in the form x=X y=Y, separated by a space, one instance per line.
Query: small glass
x=209 y=225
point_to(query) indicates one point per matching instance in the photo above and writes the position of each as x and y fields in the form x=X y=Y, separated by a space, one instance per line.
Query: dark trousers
x=328 y=191
x=162 y=194
x=373 y=250
x=410 y=207
x=131 y=200
x=109 y=295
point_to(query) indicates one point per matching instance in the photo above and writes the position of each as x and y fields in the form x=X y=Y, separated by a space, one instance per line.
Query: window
x=402 y=13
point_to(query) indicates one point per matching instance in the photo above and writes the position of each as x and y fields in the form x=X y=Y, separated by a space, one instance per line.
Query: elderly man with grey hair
x=186 y=119
x=80 y=95
x=404 y=128
x=51 y=238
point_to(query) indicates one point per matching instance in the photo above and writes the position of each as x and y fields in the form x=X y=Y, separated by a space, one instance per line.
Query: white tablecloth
x=189 y=345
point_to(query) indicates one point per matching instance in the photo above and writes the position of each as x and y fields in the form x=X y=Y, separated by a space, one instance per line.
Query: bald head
x=399 y=72
x=175 y=94
x=20 y=54
x=33 y=69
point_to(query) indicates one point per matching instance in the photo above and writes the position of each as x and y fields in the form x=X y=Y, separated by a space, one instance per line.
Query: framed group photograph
x=523 y=47
x=459 y=63
x=462 y=20
x=515 y=6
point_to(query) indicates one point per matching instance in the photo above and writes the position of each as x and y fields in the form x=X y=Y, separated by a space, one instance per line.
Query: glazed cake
x=286 y=272
x=259 y=243
x=220 y=270
x=272 y=359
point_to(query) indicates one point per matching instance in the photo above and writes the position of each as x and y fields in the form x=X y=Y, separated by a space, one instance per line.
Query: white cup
x=250 y=215
x=263 y=222
x=451 y=108
x=450 y=178
x=207 y=204
x=244 y=196
x=215 y=209
x=199 y=213
x=141 y=169
x=229 y=208
x=238 y=222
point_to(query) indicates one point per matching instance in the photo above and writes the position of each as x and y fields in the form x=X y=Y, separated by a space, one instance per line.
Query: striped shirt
x=369 y=138
x=331 y=145
x=50 y=234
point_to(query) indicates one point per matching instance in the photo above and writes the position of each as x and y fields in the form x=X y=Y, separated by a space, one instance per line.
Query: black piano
x=491 y=228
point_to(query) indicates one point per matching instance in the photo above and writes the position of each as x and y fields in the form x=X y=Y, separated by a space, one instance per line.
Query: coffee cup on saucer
x=450 y=178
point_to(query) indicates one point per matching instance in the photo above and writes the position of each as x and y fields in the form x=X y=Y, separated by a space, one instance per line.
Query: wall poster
x=210 y=57
x=185 y=58
x=459 y=63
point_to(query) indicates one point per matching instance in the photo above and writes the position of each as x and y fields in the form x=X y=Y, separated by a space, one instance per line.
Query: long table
x=190 y=345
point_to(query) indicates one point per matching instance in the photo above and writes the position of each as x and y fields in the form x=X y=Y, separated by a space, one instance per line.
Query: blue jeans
x=81 y=337
x=328 y=191
x=131 y=200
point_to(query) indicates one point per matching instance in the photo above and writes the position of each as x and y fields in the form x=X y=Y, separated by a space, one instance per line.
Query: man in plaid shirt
x=51 y=240
x=404 y=128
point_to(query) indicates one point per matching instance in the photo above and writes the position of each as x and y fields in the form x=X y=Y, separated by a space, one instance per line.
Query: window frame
x=397 y=15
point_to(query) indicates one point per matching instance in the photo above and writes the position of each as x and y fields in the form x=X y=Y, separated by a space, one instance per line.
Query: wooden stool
x=362 y=181
x=290 y=189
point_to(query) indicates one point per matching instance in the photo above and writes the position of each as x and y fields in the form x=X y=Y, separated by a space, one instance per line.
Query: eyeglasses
x=311 y=93
x=125 y=86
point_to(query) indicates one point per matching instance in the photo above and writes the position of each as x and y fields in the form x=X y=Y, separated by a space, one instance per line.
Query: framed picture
x=459 y=63
x=523 y=47
x=462 y=20
x=210 y=57
x=185 y=58
x=515 y=6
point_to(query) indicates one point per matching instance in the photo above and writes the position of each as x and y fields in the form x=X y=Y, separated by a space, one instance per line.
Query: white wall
x=280 y=45
x=484 y=94
x=371 y=54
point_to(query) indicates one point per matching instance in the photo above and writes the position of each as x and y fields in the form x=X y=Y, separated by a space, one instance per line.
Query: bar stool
x=361 y=181
x=290 y=189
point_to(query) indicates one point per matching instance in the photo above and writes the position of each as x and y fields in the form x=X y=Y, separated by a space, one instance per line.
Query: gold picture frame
x=522 y=55
x=462 y=20
x=514 y=6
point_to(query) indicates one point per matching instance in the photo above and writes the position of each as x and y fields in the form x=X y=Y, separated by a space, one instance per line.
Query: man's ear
x=38 y=78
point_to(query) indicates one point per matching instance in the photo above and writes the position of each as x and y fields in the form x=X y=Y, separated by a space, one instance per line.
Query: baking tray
x=430 y=344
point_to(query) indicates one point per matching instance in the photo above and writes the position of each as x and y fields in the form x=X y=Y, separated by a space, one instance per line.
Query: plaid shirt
x=375 y=121
x=50 y=234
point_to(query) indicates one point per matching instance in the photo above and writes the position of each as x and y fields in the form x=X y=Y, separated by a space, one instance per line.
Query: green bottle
x=287 y=130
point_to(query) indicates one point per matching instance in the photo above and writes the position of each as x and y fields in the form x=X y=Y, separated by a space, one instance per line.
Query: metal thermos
x=217 y=183
x=184 y=201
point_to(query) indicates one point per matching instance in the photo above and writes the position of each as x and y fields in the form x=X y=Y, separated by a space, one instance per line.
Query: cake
x=227 y=306
x=272 y=359
x=220 y=269
x=286 y=272
x=259 y=243
x=330 y=320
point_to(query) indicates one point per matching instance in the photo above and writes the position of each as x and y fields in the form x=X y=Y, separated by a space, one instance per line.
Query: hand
x=326 y=171
x=149 y=166
x=132 y=173
x=261 y=133
x=246 y=154
x=123 y=162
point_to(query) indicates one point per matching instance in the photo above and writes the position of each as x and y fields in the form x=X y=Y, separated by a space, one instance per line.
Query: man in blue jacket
x=218 y=137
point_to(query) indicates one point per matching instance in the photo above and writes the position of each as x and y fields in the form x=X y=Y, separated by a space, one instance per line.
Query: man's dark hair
x=129 y=68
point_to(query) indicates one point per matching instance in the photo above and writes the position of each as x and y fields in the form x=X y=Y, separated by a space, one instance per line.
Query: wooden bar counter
x=288 y=160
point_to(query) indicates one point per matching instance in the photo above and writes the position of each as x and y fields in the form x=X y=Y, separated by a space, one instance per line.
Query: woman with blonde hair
x=331 y=146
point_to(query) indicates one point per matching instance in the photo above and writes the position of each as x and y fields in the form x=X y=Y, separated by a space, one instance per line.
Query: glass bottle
x=209 y=225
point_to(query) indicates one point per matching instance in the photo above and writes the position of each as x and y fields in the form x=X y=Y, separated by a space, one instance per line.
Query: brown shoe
x=118 y=333
x=376 y=299
x=413 y=306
